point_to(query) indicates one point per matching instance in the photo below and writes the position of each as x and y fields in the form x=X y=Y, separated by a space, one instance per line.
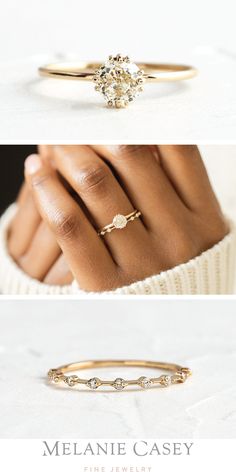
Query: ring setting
x=119 y=222
x=179 y=375
x=119 y=81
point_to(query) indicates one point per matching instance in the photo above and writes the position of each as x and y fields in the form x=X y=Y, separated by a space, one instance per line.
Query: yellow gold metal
x=118 y=80
x=86 y=71
x=119 y=222
x=179 y=376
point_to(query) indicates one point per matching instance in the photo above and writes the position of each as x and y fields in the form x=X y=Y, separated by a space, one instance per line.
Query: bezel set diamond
x=145 y=382
x=120 y=384
x=94 y=383
x=119 y=81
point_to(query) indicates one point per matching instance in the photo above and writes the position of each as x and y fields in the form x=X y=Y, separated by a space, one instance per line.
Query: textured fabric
x=210 y=273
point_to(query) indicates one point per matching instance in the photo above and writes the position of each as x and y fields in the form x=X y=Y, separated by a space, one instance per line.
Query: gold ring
x=119 y=222
x=119 y=80
x=179 y=376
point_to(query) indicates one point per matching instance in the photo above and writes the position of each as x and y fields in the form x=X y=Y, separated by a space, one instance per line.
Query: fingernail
x=33 y=164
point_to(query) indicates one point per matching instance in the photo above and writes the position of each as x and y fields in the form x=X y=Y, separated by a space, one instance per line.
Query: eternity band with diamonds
x=119 y=222
x=180 y=374
x=119 y=80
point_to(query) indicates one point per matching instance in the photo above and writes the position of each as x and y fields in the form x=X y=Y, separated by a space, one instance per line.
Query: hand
x=169 y=185
x=33 y=246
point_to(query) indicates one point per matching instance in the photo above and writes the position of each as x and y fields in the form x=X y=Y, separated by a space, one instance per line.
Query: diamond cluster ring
x=119 y=222
x=119 y=80
x=179 y=375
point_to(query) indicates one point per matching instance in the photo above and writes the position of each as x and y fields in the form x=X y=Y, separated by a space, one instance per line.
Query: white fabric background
x=200 y=33
x=37 y=336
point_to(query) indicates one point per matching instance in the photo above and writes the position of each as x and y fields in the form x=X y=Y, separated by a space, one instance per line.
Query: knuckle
x=129 y=151
x=39 y=179
x=93 y=178
x=65 y=225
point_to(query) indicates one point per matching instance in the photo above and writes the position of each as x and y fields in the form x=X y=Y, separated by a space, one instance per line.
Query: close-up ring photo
x=118 y=219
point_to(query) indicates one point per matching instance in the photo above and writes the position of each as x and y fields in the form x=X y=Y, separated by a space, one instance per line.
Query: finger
x=60 y=273
x=46 y=153
x=23 y=225
x=41 y=254
x=22 y=195
x=103 y=196
x=184 y=167
x=145 y=182
x=87 y=256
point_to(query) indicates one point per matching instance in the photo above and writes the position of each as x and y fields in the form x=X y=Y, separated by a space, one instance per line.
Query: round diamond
x=119 y=80
x=145 y=382
x=93 y=383
x=119 y=384
x=119 y=221
x=71 y=380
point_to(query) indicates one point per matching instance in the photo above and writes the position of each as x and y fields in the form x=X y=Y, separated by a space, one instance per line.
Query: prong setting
x=119 y=81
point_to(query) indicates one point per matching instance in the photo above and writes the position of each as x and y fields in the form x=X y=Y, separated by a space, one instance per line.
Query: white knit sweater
x=210 y=273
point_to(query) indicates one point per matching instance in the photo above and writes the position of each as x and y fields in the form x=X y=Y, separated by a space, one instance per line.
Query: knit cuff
x=210 y=273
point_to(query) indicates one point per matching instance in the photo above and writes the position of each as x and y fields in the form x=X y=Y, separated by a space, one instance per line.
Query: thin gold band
x=179 y=376
x=86 y=71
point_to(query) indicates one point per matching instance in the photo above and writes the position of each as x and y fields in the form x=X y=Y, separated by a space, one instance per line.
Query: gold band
x=119 y=222
x=119 y=80
x=86 y=71
x=179 y=376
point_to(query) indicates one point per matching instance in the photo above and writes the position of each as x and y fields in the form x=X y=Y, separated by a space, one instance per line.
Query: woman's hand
x=33 y=246
x=169 y=185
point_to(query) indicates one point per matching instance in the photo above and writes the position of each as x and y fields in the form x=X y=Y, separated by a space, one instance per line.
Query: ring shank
x=86 y=71
x=91 y=364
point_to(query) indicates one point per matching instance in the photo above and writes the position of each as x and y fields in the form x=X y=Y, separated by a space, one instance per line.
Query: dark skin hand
x=169 y=184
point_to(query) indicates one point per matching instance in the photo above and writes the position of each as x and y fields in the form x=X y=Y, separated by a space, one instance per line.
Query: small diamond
x=145 y=382
x=94 y=383
x=119 y=384
x=119 y=221
x=119 y=81
x=71 y=380
x=165 y=380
